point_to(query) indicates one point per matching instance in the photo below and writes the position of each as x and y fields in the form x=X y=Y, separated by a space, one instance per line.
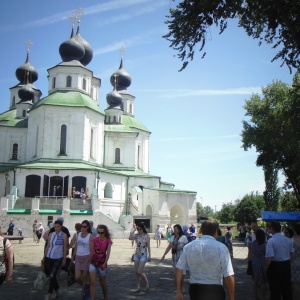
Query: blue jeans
x=51 y=268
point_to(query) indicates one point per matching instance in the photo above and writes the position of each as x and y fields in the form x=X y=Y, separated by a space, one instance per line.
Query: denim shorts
x=98 y=271
x=141 y=258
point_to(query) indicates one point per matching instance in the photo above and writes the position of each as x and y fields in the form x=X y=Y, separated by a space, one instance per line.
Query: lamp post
x=14 y=183
x=6 y=177
x=128 y=203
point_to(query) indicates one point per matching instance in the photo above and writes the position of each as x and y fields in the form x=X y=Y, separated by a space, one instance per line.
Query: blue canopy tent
x=280 y=216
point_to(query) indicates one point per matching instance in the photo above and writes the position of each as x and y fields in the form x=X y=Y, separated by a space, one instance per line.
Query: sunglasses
x=100 y=232
x=83 y=226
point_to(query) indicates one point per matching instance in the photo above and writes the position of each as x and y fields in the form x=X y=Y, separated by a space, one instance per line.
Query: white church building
x=63 y=155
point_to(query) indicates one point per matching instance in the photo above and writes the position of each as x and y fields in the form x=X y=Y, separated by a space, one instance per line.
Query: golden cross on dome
x=79 y=13
x=73 y=18
x=122 y=51
x=28 y=45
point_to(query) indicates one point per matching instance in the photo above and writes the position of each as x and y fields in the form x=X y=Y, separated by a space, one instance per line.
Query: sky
x=195 y=116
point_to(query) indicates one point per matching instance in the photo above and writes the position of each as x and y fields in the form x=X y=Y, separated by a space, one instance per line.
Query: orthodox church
x=63 y=148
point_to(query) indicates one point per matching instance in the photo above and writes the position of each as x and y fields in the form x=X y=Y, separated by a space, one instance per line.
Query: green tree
x=199 y=208
x=289 y=202
x=273 y=129
x=272 y=192
x=226 y=213
x=276 y=22
x=247 y=210
x=208 y=210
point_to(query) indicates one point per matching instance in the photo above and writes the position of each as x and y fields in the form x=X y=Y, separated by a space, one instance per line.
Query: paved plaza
x=121 y=277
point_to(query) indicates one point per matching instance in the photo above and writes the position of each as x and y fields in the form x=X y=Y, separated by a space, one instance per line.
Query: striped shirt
x=56 y=247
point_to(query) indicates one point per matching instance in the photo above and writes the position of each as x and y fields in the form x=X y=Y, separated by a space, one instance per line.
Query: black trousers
x=206 y=292
x=51 y=268
x=279 y=278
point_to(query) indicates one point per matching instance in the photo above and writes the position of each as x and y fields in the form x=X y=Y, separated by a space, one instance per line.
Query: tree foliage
x=226 y=213
x=272 y=192
x=276 y=22
x=273 y=129
x=289 y=202
x=249 y=208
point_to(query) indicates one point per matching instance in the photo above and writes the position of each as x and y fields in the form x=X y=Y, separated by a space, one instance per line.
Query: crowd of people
x=273 y=257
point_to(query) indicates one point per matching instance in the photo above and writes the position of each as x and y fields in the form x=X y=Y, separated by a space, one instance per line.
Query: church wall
x=50 y=119
x=126 y=143
x=8 y=137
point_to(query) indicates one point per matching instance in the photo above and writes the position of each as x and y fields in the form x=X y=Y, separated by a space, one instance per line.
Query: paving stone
x=121 y=276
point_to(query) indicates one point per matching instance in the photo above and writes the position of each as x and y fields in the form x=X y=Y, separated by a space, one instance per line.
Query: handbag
x=41 y=282
x=132 y=258
x=71 y=274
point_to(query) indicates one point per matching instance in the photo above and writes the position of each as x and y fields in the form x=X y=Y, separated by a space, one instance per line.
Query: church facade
x=63 y=148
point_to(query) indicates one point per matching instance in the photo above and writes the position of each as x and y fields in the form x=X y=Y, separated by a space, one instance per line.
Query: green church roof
x=69 y=99
x=129 y=124
x=8 y=118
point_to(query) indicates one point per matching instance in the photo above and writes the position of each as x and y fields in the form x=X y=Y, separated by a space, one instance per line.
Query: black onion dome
x=88 y=55
x=71 y=49
x=26 y=92
x=21 y=72
x=123 y=78
x=114 y=99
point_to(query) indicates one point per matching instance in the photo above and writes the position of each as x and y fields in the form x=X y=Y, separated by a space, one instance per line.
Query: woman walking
x=141 y=256
x=158 y=233
x=5 y=249
x=82 y=254
x=101 y=247
x=55 y=256
x=169 y=232
x=177 y=242
x=258 y=252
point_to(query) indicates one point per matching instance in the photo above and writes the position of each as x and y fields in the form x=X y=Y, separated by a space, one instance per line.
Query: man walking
x=279 y=253
x=208 y=261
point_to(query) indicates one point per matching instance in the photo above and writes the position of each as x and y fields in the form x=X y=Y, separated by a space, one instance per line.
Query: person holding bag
x=177 y=241
x=55 y=257
x=6 y=259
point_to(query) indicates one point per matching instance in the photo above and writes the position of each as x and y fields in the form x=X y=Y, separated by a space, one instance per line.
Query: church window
x=139 y=157
x=53 y=82
x=15 y=151
x=115 y=119
x=14 y=101
x=63 y=140
x=84 y=84
x=24 y=113
x=130 y=108
x=117 y=156
x=69 y=81
x=122 y=106
x=92 y=143
x=108 y=190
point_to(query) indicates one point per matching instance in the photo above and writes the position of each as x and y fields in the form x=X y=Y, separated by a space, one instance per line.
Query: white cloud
x=99 y=8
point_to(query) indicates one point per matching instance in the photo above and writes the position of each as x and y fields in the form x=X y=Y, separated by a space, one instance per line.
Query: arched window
x=15 y=152
x=130 y=108
x=53 y=82
x=69 y=81
x=14 y=101
x=108 y=190
x=115 y=119
x=92 y=144
x=24 y=113
x=84 y=84
x=63 y=140
x=139 y=157
x=117 y=156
